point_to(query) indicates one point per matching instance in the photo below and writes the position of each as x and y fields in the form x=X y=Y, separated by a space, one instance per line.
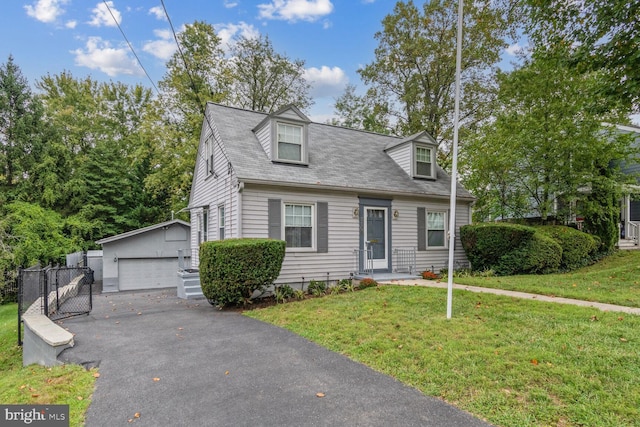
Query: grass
x=38 y=385
x=512 y=362
x=614 y=280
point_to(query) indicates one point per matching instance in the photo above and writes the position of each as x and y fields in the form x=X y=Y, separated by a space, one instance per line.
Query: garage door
x=148 y=273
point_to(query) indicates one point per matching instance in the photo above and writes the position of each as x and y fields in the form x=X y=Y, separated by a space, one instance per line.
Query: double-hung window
x=424 y=162
x=204 y=225
x=221 y=222
x=436 y=229
x=298 y=225
x=290 y=142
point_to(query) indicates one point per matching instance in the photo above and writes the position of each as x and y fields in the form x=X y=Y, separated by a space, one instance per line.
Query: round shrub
x=577 y=247
x=540 y=254
x=485 y=244
x=232 y=270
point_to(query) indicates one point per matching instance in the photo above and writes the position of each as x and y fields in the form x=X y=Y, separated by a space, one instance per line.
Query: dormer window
x=424 y=161
x=290 y=142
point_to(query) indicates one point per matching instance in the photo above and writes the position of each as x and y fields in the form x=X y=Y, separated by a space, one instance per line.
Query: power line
x=193 y=86
x=161 y=98
x=130 y=47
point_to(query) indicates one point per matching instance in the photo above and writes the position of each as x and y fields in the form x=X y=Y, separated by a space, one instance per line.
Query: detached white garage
x=146 y=258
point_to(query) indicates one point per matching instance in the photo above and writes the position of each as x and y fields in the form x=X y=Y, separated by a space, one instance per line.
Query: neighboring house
x=630 y=203
x=345 y=201
x=146 y=258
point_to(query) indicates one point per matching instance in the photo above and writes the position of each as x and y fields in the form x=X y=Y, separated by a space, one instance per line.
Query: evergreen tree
x=20 y=130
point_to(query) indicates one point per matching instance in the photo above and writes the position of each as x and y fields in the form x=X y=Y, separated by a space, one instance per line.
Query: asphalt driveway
x=174 y=362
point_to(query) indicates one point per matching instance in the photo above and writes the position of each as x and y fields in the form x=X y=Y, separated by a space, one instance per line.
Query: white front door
x=376 y=237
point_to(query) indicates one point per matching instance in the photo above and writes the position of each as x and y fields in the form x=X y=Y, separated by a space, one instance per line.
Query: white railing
x=633 y=231
x=404 y=260
x=364 y=261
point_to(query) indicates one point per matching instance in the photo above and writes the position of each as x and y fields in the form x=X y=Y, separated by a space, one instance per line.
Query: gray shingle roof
x=339 y=157
x=141 y=231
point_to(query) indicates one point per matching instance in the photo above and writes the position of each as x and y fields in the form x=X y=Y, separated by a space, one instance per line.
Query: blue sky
x=333 y=37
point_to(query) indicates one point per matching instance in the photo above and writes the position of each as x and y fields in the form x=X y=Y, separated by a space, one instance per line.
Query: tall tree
x=354 y=111
x=102 y=151
x=20 y=128
x=599 y=35
x=413 y=73
x=264 y=80
x=197 y=72
x=547 y=138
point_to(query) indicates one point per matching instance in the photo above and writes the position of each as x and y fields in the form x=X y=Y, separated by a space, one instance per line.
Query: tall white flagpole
x=454 y=166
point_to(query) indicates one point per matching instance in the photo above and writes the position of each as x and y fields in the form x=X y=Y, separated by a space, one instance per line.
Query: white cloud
x=158 y=12
x=227 y=32
x=71 y=24
x=102 y=15
x=230 y=4
x=162 y=48
x=46 y=10
x=99 y=55
x=326 y=81
x=514 y=49
x=295 y=10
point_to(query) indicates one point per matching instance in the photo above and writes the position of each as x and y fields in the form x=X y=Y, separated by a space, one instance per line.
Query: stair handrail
x=634 y=231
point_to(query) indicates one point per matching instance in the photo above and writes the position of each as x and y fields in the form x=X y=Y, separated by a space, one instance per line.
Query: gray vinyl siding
x=405 y=232
x=264 y=136
x=343 y=231
x=402 y=156
x=213 y=191
x=341 y=240
x=289 y=115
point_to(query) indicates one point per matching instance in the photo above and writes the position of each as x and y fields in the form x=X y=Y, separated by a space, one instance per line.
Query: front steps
x=627 y=245
x=189 y=284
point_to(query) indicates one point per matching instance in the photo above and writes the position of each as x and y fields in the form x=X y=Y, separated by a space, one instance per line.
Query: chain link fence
x=56 y=292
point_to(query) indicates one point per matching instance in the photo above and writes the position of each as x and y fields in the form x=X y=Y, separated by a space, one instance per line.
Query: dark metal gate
x=56 y=292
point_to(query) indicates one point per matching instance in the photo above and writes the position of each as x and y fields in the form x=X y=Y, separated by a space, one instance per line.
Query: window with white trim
x=221 y=222
x=205 y=224
x=298 y=225
x=436 y=229
x=209 y=156
x=424 y=161
x=290 y=142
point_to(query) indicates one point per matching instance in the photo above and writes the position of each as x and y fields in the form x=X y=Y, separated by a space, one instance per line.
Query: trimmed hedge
x=232 y=270
x=509 y=249
x=485 y=244
x=540 y=254
x=578 y=248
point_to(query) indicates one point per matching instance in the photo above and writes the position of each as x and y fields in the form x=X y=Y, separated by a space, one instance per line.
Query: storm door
x=376 y=236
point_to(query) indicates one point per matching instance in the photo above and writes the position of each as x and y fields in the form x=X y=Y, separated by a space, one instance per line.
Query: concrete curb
x=515 y=294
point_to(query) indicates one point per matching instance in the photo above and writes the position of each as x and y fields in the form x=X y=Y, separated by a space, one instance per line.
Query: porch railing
x=633 y=231
x=364 y=261
x=404 y=260
x=187 y=259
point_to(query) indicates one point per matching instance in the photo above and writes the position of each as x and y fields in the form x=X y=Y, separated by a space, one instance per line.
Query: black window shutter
x=323 y=226
x=275 y=219
x=422 y=229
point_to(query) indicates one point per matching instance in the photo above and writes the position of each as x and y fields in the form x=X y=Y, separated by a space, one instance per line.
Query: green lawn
x=512 y=362
x=67 y=384
x=614 y=280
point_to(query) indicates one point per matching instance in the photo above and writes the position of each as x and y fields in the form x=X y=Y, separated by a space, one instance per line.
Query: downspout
x=239 y=211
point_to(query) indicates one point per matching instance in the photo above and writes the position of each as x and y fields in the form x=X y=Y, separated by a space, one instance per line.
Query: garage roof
x=141 y=231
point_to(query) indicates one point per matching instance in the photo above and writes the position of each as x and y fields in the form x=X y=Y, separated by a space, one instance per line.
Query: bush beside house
x=232 y=270
x=578 y=248
x=517 y=249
